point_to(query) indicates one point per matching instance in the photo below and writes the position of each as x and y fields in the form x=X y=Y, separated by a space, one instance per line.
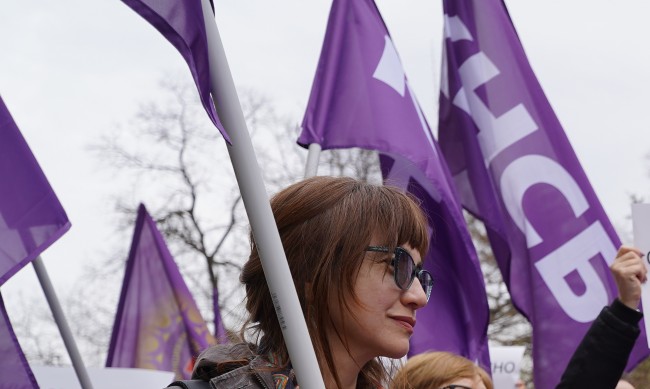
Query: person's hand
x=629 y=272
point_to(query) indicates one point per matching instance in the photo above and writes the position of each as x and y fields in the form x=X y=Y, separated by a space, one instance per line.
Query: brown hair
x=435 y=369
x=325 y=224
x=485 y=377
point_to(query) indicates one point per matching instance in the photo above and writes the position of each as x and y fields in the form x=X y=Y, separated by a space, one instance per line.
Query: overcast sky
x=71 y=70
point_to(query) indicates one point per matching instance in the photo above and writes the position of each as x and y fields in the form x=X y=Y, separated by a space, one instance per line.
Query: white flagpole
x=62 y=323
x=258 y=208
x=311 y=167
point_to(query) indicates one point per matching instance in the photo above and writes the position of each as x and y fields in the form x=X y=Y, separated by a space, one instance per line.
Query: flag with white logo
x=361 y=98
x=515 y=169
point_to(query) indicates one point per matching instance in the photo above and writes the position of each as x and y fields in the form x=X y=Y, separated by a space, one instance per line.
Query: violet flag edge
x=182 y=24
x=31 y=216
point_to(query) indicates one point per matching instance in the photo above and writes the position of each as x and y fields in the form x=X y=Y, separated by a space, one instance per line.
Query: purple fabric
x=181 y=22
x=157 y=325
x=31 y=217
x=219 y=329
x=515 y=170
x=361 y=98
x=14 y=369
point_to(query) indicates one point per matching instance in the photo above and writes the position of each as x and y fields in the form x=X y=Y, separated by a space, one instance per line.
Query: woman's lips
x=407 y=322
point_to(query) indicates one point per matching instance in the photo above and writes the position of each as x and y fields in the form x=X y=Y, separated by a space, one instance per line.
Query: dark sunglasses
x=405 y=270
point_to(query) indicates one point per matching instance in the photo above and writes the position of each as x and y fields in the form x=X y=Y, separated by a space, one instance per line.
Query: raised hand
x=629 y=272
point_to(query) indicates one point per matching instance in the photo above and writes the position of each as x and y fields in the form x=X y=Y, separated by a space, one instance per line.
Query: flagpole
x=311 y=167
x=258 y=208
x=62 y=323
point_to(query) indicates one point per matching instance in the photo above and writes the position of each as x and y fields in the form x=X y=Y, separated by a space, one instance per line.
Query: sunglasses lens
x=426 y=281
x=403 y=269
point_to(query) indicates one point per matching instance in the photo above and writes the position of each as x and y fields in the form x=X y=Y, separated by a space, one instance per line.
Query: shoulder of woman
x=220 y=359
x=256 y=374
x=227 y=352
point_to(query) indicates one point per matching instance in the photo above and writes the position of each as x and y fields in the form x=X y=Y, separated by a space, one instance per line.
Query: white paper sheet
x=506 y=365
x=641 y=226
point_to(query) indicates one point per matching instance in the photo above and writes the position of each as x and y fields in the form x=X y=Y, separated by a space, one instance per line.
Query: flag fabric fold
x=361 y=98
x=158 y=325
x=31 y=216
x=15 y=372
x=181 y=23
x=515 y=170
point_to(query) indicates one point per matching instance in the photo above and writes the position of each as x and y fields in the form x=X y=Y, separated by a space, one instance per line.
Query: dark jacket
x=600 y=359
x=235 y=366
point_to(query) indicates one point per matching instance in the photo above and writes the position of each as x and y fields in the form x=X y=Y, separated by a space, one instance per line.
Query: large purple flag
x=181 y=22
x=14 y=369
x=157 y=325
x=515 y=170
x=361 y=98
x=31 y=217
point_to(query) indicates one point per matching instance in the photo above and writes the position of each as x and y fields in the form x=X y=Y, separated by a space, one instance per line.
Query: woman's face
x=385 y=315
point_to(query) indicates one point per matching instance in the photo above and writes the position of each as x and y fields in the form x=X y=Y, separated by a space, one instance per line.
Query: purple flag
x=515 y=170
x=14 y=369
x=157 y=325
x=181 y=22
x=361 y=98
x=31 y=217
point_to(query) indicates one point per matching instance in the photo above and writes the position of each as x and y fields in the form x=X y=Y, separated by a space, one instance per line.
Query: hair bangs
x=400 y=220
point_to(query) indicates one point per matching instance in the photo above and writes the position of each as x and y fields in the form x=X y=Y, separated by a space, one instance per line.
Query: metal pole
x=62 y=323
x=311 y=167
x=258 y=208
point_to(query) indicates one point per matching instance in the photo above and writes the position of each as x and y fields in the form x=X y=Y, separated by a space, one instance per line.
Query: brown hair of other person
x=435 y=369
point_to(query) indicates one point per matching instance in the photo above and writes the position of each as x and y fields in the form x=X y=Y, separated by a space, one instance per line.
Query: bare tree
x=359 y=163
x=179 y=168
x=32 y=326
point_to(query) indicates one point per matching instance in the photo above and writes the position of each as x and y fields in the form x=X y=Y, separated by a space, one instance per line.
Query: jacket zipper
x=261 y=381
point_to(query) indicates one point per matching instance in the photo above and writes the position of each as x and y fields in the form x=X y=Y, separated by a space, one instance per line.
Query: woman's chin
x=398 y=352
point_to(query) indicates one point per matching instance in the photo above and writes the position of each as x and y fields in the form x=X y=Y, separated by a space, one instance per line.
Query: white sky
x=71 y=70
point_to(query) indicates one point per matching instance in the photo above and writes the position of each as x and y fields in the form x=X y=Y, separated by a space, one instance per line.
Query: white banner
x=54 y=377
x=506 y=365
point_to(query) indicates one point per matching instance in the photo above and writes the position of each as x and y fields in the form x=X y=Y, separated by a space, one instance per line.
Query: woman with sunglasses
x=355 y=253
x=441 y=370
